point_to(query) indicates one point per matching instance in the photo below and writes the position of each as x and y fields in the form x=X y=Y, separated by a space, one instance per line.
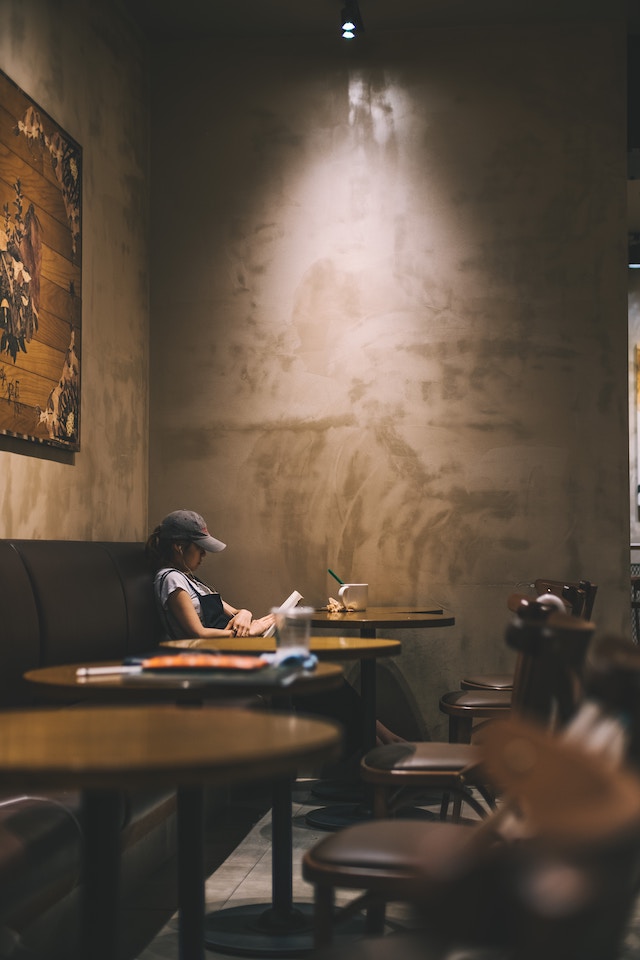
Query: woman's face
x=193 y=555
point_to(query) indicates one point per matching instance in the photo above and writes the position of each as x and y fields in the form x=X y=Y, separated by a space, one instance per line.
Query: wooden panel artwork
x=638 y=430
x=40 y=274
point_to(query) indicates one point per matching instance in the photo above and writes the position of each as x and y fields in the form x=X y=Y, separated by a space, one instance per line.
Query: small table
x=335 y=649
x=279 y=924
x=367 y=623
x=98 y=749
x=285 y=932
x=389 y=618
x=61 y=682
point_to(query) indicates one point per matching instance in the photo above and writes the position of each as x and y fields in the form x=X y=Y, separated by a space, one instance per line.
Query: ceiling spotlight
x=351 y=25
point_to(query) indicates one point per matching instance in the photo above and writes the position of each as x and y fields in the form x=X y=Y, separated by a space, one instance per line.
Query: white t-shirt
x=167 y=581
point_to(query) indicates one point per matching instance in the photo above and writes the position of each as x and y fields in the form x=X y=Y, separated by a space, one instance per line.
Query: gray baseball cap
x=187 y=525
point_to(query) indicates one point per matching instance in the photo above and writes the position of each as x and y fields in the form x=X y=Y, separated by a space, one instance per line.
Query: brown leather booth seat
x=66 y=600
x=60 y=602
x=41 y=844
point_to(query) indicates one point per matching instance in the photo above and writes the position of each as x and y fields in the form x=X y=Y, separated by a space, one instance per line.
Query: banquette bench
x=63 y=602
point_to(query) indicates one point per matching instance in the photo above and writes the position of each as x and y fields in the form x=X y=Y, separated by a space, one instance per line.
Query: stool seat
x=484 y=703
x=420 y=758
x=395 y=860
x=401 y=773
x=464 y=706
x=488 y=681
x=577 y=596
x=397 y=857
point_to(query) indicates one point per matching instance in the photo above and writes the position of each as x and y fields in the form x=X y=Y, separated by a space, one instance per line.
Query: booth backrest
x=63 y=601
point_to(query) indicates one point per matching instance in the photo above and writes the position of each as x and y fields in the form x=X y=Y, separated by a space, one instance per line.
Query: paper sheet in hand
x=292 y=601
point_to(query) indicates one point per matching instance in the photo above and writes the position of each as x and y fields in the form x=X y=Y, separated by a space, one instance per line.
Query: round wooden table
x=364 y=649
x=101 y=749
x=334 y=649
x=278 y=928
x=325 y=648
x=369 y=621
x=64 y=682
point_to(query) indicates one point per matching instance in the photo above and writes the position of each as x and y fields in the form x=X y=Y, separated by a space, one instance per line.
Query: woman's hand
x=241 y=623
x=258 y=627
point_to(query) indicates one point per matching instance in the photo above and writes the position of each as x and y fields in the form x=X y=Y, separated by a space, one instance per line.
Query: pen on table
x=105 y=671
x=294 y=675
x=335 y=576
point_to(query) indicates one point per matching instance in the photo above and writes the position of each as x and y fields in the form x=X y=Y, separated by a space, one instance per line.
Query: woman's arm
x=181 y=606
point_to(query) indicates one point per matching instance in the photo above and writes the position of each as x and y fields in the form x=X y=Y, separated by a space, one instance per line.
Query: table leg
x=368 y=695
x=282 y=912
x=281 y=928
x=277 y=929
x=101 y=813
x=339 y=815
x=190 y=821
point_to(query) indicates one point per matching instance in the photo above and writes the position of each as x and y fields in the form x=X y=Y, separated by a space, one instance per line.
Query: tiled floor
x=245 y=876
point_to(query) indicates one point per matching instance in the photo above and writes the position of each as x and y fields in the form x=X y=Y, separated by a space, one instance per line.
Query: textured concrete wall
x=83 y=65
x=389 y=321
x=389 y=312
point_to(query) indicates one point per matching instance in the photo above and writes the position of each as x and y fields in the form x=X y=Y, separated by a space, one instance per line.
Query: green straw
x=334 y=575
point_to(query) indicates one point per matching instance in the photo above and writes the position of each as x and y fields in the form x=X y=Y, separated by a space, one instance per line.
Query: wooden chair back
x=552 y=647
x=579 y=595
x=612 y=680
x=582 y=838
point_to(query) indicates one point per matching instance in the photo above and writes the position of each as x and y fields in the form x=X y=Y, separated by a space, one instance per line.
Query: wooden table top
x=429 y=615
x=62 y=680
x=325 y=648
x=97 y=747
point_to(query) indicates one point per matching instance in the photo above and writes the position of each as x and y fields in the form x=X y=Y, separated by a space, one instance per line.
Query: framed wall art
x=40 y=274
x=637 y=429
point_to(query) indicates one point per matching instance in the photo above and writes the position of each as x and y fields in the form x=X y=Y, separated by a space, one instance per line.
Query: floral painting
x=638 y=430
x=40 y=274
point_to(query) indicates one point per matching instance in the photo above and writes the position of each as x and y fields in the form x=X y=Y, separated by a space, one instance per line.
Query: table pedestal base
x=338 y=791
x=257 y=930
x=281 y=928
x=340 y=815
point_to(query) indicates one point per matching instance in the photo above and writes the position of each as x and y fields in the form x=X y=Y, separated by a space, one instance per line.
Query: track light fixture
x=351 y=25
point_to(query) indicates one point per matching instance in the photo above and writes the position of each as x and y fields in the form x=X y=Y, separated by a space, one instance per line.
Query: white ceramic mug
x=354 y=596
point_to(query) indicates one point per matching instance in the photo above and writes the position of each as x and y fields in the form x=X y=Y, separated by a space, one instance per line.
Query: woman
x=188 y=606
